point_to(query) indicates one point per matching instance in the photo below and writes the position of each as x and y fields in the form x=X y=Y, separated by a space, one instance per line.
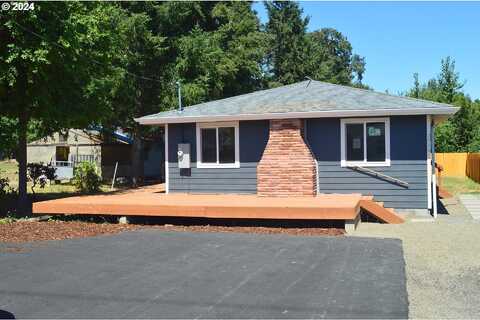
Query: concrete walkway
x=472 y=204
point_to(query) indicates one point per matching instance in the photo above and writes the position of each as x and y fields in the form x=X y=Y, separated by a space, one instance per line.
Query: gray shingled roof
x=302 y=97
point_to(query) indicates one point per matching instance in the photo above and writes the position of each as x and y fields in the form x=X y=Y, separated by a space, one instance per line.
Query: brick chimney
x=287 y=167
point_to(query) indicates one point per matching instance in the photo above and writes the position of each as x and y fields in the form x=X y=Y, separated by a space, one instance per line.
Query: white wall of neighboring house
x=44 y=150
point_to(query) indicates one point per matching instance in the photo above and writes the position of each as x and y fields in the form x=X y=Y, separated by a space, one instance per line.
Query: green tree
x=459 y=133
x=288 y=46
x=358 y=67
x=330 y=56
x=449 y=81
x=54 y=61
x=141 y=76
x=225 y=61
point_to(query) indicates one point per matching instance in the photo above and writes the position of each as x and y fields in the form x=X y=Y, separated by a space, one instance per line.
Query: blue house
x=305 y=139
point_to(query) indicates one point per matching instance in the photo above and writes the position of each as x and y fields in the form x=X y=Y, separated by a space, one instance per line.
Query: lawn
x=9 y=169
x=458 y=185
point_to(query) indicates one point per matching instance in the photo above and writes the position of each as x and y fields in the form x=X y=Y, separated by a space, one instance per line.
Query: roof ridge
x=245 y=94
x=229 y=98
x=384 y=94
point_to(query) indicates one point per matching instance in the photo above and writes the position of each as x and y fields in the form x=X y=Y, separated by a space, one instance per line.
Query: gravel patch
x=442 y=263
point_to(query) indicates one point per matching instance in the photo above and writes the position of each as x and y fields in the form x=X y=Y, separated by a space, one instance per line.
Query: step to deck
x=377 y=210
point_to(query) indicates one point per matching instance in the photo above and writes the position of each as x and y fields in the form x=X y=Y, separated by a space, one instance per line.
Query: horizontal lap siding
x=336 y=179
x=201 y=180
x=408 y=163
x=253 y=138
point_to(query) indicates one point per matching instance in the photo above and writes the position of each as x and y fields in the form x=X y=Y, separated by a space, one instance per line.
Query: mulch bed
x=261 y=230
x=29 y=231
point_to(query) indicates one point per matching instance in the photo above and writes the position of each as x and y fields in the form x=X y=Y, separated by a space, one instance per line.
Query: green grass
x=457 y=185
x=9 y=169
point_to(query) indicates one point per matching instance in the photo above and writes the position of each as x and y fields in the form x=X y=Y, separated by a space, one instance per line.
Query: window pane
x=226 y=145
x=209 y=145
x=354 y=142
x=376 y=141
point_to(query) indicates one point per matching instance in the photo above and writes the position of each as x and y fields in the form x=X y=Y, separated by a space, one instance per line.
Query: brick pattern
x=287 y=167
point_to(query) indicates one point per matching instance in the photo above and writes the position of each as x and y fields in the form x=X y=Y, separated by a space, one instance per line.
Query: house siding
x=253 y=139
x=408 y=152
x=408 y=163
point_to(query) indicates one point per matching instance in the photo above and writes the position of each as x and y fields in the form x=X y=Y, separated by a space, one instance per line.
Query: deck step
x=376 y=209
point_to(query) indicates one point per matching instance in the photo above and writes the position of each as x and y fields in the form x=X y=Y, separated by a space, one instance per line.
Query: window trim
x=216 y=125
x=345 y=163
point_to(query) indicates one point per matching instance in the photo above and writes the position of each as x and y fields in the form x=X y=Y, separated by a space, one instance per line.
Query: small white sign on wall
x=183 y=155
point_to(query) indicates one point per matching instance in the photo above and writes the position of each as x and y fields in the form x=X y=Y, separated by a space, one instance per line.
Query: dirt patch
x=29 y=231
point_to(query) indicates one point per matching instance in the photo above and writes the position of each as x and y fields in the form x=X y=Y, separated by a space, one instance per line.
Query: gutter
x=299 y=115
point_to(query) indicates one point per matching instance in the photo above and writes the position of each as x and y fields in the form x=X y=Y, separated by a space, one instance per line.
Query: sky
x=401 y=38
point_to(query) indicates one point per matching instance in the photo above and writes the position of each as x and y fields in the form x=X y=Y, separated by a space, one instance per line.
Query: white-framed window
x=218 y=145
x=365 y=142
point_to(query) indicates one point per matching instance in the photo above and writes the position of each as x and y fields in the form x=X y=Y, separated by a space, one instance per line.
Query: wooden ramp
x=376 y=209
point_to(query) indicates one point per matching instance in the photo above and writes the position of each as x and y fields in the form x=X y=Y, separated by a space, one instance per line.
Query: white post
x=166 y=159
x=434 y=177
x=114 y=175
x=434 y=182
x=429 y=162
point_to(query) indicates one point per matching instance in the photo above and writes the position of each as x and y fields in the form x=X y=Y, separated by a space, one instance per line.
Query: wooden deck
x=151 y=201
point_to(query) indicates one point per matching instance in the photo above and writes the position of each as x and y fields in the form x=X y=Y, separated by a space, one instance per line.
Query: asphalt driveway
x=152 y=273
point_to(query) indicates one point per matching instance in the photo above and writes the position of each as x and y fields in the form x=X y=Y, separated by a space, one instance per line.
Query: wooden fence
x=460 y=164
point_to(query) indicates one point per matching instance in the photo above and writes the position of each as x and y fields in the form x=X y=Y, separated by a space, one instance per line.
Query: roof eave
x=287 y=115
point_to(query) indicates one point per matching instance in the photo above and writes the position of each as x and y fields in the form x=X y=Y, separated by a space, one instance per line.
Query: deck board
x=153 y=202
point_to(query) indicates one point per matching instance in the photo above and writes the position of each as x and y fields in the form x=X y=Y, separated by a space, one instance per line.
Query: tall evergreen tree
x=225 y=61
x=288 y=47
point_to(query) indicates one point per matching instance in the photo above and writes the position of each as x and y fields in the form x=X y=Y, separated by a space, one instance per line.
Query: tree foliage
x=54 y=69
x=330 y=56
x=288 y=43
x=461 y=132
x=225 y=61
x=294 y=54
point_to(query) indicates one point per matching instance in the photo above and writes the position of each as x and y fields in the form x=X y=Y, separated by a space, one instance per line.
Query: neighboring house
x=303 y=139
x=65 y=149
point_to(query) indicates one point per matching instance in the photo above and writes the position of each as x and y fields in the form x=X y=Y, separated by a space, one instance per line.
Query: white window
x=218 y=145
x=365 y=142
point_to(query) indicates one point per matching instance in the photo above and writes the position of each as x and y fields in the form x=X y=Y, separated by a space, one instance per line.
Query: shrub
x=86 y=177
x=7 y=198
x=8 y=219
x=4 y=186
x=40 y=174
